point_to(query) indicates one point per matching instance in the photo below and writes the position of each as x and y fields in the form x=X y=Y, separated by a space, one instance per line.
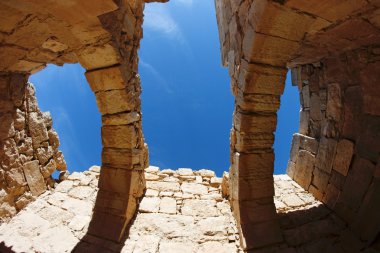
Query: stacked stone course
x=28 y=146
x=335 y=155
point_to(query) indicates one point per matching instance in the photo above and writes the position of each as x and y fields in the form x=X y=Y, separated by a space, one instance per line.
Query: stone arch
x=104 y=37
x=259 y=40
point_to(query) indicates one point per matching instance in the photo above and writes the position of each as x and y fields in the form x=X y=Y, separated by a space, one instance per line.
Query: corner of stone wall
x=28 y=146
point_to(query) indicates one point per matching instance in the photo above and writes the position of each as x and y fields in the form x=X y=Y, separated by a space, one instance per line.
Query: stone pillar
x=112 y=75
x=257 y=98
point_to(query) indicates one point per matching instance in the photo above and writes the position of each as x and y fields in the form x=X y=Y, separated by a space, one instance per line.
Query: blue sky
x=186 y=101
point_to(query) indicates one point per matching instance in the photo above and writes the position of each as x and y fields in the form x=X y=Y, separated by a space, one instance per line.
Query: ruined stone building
x=330 y=200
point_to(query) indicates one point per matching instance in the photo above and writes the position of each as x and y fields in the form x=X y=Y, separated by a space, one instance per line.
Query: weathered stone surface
x=326 y=154
x=344 y=152
x=34 y=177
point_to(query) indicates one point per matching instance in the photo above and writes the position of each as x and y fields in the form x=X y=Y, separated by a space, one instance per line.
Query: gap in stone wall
x=287 y=125
x=187 y=102
x=64 y=91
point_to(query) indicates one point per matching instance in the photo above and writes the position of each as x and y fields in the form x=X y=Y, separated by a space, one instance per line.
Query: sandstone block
x=194 y=188
x=304 y=168
x=122 y=181
x=261 y=79
x=106 y=79
x=121 y=158
x=326 y=154
x=60 y=161
x=98 y=57
x=37 y=129
x=150 y=205
x=304 y=122
x=205 y=173
x=121 y=118
x=344 y=153
x=254 y=123
x=320 y=179
x=334 y=103
x=124 y=137
x=116 y=101
x=34 y=178
x=168 y=205
x=257 y=102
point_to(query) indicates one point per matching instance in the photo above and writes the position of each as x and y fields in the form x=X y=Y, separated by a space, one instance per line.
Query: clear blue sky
x=186 y=101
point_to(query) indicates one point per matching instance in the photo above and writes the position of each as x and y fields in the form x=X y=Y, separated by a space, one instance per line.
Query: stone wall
x=335 y=155
x=28 y=146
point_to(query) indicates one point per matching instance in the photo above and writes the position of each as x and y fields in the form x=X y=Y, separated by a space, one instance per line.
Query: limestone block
x=173 y=247
x=334 y=103
x=324 y=10
x=163 y=186
x=9 y=155
x=106 y=79
x=17 y=88
x=304 y=168
x=315 y=107
x=185 y=172
x=254 y=123
x=305 y=97
x=150 y=205
x=320 y=179
x=121 y=158
x=25 y=66
x=304 y=122
x=308 y=143
x=252 y=188
x=37 y=129
x=201 y=208
x=98 y=57
x=216 y=247
x=122 y=181
x=60 y=161
x=331 y=196
x=326 y=154
x=205 y=173
x=15 y=178
x=19 y=120
x=194 y=188
x=225 y=185
x=44 y=154
x=257 y=102
x=116 y=101
x=34 y=178
x=54 y=45
x=261 y=79
x=275 y=51
x=6 y=126
x=357 y=183
x=119 y=137
x=121 y=118
x=344 y=153
x=49 y=168
x=168 y=205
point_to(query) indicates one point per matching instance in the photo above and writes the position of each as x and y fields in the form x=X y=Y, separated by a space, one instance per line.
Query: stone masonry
x=28 y=146
x=332 y=47
x=181 y=211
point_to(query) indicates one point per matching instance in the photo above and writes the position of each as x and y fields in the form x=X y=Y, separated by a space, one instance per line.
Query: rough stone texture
x=173 y=221
x=28 y=146
x=343 y=175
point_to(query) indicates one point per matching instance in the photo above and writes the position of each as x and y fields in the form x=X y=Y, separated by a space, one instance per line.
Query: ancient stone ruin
x=330 y=200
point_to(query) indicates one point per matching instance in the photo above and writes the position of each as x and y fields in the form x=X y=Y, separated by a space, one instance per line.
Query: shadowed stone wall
x=28 y=146
x=335 y=155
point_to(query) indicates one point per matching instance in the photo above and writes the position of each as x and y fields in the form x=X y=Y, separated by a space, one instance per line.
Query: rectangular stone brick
x=320 y=179
x=110 y=78
x=121 y=118
x=367 y=222
x=261 y=79
x=343 y=157
x=295 y=147
x=116 y=101
x=248 y=143
x=108 y=226
x=258 y=102
x=260 y=234
x=122 y=181
x=304 y=122
x=34 y=177
x=255 y=165
x=290 y=169
x=305 y=97
x=120 y=136
x=331 y=196
x=251 y=188
x=255 y=123
x=122 y=158
x=326 y=154
x=98 y=57
x=308 y=143
x=334 y=102
x=337 y=179
x=253 y=211
x=304 y=168
x=315 y=107
x=357 y=183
